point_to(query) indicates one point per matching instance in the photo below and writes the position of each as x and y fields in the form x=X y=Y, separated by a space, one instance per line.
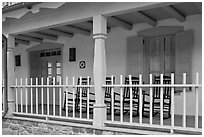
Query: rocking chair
x=83 y=90
x=126 y=96
x=108 y=90
x=156 y=98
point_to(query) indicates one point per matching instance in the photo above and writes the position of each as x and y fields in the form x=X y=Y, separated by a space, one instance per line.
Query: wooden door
x=51 y=68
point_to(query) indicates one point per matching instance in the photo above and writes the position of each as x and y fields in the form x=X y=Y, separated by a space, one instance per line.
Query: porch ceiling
x=126 y=21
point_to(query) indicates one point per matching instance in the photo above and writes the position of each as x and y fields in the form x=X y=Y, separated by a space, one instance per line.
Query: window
x=160 y=55
x=48 y=53
x=18 y=60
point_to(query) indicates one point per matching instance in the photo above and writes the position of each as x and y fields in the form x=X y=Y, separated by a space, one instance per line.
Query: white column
x=10 y=60
x=99 y=69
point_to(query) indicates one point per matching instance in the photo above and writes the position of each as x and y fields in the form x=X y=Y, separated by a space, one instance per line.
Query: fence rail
x=3 y=91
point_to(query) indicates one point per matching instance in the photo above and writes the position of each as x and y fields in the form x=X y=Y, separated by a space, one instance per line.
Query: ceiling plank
x=90 y=25
x=87 y=24
x=77 y=30
x=123 y=24
x=198 y=6
x=42 y=35
x=174 y=13
x=24 y=42
x=28 y=38
x=10 y=19
x=59 y=32
x=145 y=18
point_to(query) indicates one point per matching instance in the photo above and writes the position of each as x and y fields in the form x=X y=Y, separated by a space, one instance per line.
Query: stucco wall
x=116 y=49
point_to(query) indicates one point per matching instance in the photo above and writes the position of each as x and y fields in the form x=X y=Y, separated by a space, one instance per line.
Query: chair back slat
x=108 y=89
x=84 y=81
x=135 y=90
x=166 y=90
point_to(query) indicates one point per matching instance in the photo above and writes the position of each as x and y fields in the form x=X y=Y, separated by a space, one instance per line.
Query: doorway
x=50 y=67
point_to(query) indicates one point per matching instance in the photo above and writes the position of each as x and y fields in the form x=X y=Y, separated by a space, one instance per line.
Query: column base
x=99 y=115
x=11 y=108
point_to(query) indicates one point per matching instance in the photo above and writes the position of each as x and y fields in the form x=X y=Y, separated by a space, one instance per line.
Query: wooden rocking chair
x=108 y=90
x=126 y=96
x=84 y=81
x=156 y=98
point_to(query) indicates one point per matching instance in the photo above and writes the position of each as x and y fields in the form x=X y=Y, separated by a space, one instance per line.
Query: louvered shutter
x=135 y=56
x=183 y=55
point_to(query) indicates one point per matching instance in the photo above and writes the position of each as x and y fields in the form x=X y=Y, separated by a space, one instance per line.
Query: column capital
x=100 y=36
x=99 y=25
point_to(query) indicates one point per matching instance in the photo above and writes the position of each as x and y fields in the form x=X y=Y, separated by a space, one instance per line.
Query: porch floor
x=190 y=120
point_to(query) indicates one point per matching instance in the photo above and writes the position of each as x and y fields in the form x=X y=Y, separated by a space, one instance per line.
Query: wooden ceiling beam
x=174 y=13
x=24 y=42
x=59 y=32
x=77 y=30
x=42 y=35
x=123 y=24
x=90 y=25
x=28 y=38
x=145 y=18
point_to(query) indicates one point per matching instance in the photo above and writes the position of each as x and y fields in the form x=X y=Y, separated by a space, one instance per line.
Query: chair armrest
x=91 y=93
x=69 y=92
x=145 y=94
x=116 y=93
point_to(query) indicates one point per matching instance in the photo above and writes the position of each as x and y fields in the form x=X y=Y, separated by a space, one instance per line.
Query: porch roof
x=125 y=20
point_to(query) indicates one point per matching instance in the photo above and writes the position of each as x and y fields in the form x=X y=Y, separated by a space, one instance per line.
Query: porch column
x=10 y=67
x=99 y=69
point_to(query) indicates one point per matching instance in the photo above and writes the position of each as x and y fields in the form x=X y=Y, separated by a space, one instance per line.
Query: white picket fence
x=3 y=96
x=4 y=4
x=30 y=97
x=150 y=86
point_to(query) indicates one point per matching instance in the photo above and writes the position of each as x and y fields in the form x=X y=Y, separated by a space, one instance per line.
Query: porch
x=46 y=76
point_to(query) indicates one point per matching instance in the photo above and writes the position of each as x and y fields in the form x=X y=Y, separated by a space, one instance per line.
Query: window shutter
x=135 y=56
x=183 y=57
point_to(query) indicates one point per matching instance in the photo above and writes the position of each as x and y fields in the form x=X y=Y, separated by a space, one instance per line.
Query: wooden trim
x=153 y=126
x=104 y=86
x=160 y=31
x=174 y=13
x=123 y=24
x=156 y=85
x=52 y=117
